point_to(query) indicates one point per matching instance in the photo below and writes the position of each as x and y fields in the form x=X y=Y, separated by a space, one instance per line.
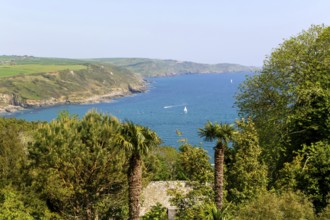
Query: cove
x=162 y=108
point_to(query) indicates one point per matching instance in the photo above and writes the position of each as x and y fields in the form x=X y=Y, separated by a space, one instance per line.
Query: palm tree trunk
x=89 y=213
x=219 y=153
x=135 y=186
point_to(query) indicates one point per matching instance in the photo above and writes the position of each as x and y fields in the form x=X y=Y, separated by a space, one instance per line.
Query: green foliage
x=157 y=212
x=162 y=162
x=76 y=167
x=22 y=205
x=325 y=214
x=17 y=201
x=14 y=135
x=193 y=164
x=289 y=99
x=272 y=206
x=212 y=213
x=309 y=172
x=137 y=139
x=247 y=175
x=191 y=204
x=222 y=133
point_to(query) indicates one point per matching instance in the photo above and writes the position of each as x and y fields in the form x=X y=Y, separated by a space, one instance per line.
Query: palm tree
x=222 y=133
x=137 y=142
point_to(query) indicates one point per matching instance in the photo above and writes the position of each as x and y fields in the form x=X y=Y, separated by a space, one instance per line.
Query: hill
x=29 y=82
x=155 y=67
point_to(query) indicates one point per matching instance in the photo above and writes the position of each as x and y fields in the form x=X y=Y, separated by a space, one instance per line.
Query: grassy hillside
x=155 y=67
x=42 y=83
x=17 y=69
x=28 y=81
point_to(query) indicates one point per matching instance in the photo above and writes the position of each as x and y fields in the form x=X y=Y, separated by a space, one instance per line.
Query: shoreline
x=108 y=97
x=9 y=109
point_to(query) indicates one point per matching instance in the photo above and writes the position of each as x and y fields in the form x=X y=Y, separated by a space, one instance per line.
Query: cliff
x=94 y=83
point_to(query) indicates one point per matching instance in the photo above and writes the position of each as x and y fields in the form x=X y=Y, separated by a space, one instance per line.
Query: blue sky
x=208 y=31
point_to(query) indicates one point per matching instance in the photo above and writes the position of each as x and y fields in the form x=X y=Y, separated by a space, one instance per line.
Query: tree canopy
x=289 y=101
x=76 y=167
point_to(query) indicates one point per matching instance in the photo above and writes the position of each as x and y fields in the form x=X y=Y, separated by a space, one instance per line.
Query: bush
x=157 y=212
x=288 y=205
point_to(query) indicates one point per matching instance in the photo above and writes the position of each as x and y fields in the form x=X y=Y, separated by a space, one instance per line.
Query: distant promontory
x=156 y=67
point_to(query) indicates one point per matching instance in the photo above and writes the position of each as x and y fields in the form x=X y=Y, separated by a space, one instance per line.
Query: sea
x=179 y=104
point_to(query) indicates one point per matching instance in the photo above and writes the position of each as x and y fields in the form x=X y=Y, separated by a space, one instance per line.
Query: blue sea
x=205 y=96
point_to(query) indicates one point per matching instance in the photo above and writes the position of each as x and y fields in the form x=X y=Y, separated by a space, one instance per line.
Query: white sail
x=185 y=109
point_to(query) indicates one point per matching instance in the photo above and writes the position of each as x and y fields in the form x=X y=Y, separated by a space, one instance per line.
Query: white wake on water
x=174 y=106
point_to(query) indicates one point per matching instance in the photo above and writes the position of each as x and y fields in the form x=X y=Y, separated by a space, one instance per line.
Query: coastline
x=108 y=97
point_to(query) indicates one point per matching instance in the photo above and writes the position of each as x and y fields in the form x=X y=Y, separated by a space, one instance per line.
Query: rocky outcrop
x=136 y=89
x=10 y=103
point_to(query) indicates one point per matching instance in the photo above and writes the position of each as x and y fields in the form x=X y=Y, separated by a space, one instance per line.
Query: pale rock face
x=5 y=98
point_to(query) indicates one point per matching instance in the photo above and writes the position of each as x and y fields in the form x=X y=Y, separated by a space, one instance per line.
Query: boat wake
x=174 y=106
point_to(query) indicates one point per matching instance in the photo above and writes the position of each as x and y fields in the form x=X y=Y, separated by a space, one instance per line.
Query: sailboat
x=185 y=109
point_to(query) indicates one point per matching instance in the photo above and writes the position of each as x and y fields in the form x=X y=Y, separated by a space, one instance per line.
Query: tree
x=222 y=133
x=17 y=199
x=161 y=163
x=15 y=204
x=136 y=141
x=289 y=99
x=193 y=164
x=247 y=175
x=14 y=135
x=309 y=172
x=76 y=167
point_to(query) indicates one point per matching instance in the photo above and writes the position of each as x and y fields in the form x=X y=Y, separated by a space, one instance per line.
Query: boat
x=185 y=110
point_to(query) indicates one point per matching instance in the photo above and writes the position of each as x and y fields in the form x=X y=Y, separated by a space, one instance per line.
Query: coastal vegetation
x=273 y=163
x=45 y=85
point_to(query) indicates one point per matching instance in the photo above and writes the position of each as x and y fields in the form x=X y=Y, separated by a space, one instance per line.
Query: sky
x=208 y=31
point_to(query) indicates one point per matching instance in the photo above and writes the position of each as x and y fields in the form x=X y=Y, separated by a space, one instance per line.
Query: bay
x=205 y=96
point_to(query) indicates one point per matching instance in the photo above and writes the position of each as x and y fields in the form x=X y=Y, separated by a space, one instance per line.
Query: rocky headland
x=95 y=83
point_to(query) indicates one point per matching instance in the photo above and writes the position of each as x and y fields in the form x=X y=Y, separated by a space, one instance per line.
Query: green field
x=13 y=70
